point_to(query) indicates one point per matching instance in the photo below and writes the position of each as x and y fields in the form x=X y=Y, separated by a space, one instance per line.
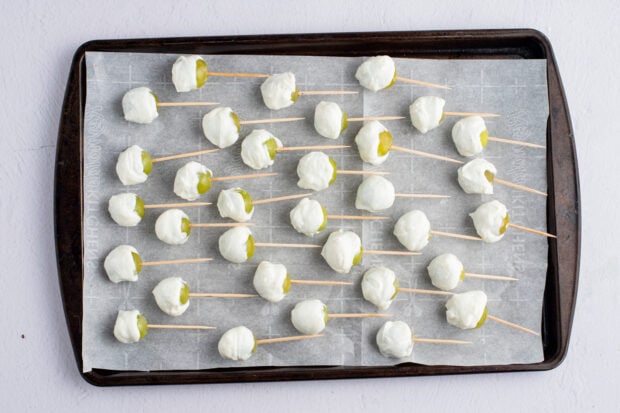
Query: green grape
x=272 y=147
x=286 y=286
x=295 y=94
x=143 y=326
x=184 y=297
x=358 y=258
x=235 y=119
x=147 y=163
x=247 y=200
x=489 y=175
x=505 y=222
x=392 y=82
x=335 y=173
x=186 y=226
x=344 y=122
x=441 y=119
x=325 y=314
x=484 y=137
x=255 y=345
x=483 y=318
x=204 y=182
x=396 y=286
x=249 y=246
x=137 y=261
x=139 y=208
x=155 y=97
x=324 y=224
x=462 y=276
x=202 y=72
x=385 y=143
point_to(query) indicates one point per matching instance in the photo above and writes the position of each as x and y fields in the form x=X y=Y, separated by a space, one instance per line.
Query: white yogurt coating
x=187 y=178
x=489 y=220
x=126 y=326
x=328 y=119
x=129 y=166
x=219 y=127
x=466 y=135
x=445 y=271
x=309 y=316
x=426 y=112
x=168 y=296
x=375 y=194
x=472 y=178
x=376 y=73
x=254 y=151
x=119 y=264
x=269 y=280
x=379 y=286
x=367 y=140
x=230 y=204
x=413 y=230
x=340 y=250
x=122 y=209
x=184 y=73
x=233 y=244
x=168 y=227
x=278 y=90
x=308 y=217
x=140 y=105
x=315 y=171
x=237 y=344
x=466 y=310
x=395 y=339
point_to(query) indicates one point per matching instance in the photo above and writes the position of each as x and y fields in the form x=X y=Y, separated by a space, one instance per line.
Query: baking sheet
x=514 y=88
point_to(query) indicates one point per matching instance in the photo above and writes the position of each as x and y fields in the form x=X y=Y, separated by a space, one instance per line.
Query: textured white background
x=37 y=41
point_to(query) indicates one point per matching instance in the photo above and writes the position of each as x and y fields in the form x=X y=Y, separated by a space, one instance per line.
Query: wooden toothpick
x=419 y=291
x=490 y=277
x=513 y=325
x=221 y=295
x=248 y=176
x=421 y=196
x=345 y=172
x=180 y=327
x=177 y=205
x=280 y=198
x=357 y=217
x=425 y=154
x=369 y=118
x=310 y=148
x=517 y=186
x=531 y=230
x=275 y=120
x=221 y=225
x=358 y=315
x=184 y=155
x=381 y=252
x=233 y=74
x=439 y=341
x=482 y=115
x=172 y=262
x=420 y=83
x=513 y=142
x=174 y=104
x=285 y=339
x=284 y=245
x=452 y=235
x=317 y=282
x=326 y=92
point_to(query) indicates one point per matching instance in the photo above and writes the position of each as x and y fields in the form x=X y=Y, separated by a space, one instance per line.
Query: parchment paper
x=516 y=89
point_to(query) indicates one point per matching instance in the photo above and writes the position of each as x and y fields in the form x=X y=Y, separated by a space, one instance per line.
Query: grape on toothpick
x=239 y=343
x=477 y=177
x=140 y=105
x=311 y=316
x=470 y=136
x=427 y=113
x=172 y=295
x=272 y=281
x=124 y=263
x=280 y=91
x=131 y=326
x=309 y=217
x=379 y=73
x=191 y=73
x=395 y=340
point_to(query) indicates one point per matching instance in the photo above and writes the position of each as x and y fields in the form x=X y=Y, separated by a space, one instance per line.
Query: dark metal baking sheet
x=563 y=209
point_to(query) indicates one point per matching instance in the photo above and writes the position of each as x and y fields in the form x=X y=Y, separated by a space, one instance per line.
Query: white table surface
x=38 y=39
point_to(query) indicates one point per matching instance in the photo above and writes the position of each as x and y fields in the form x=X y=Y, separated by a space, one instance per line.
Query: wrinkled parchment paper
x=516 y=89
